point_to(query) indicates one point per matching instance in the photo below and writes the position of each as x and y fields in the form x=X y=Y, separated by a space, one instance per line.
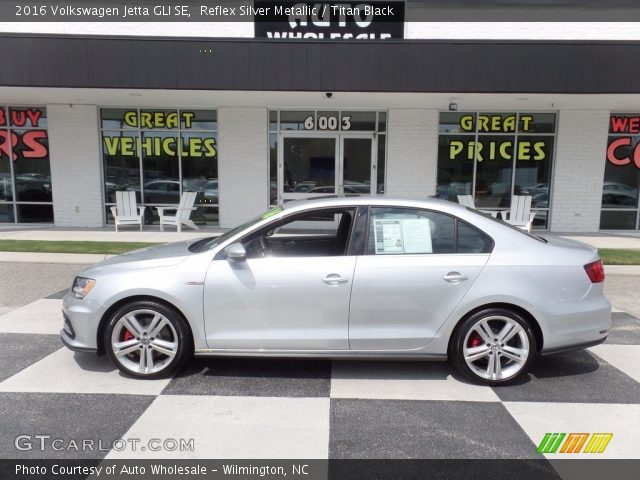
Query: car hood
x=163 y=255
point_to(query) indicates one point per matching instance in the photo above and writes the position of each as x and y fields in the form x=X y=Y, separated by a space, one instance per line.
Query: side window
x=320 y=233
x=397 y=231
x=472 y=240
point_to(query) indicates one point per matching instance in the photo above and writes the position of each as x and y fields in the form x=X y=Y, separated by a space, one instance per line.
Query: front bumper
x=72 y=345
x=81 y=321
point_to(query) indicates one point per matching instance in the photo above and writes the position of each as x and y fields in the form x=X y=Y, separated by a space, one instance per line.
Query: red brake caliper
x=127 y=335
x=475 y=340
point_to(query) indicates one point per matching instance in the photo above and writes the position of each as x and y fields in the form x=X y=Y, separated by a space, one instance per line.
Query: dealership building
x=250 y=121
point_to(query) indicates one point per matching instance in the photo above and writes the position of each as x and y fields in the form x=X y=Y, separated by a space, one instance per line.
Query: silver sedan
x=362 y=277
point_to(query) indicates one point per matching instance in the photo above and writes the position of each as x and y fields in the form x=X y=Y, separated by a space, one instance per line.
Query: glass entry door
x=357 y=167
x=310 y=166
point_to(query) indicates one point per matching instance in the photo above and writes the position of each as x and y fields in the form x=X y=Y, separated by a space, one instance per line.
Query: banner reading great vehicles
x=167 y=143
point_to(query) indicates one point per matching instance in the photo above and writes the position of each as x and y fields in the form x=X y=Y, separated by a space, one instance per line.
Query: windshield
x=209 y=243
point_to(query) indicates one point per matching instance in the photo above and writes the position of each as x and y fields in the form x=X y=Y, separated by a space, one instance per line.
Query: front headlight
x=82 y=286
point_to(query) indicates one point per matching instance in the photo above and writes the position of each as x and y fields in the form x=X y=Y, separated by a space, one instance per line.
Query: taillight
x=595 y=270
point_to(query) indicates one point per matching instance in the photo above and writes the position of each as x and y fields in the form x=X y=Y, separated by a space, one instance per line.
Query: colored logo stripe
x=598 y=442
x=574 y=442
x=550 y=442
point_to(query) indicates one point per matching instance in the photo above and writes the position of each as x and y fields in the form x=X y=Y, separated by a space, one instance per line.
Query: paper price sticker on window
x=397 y=236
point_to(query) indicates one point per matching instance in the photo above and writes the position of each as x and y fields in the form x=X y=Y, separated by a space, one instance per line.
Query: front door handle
x=334 y=279
x=454 y=277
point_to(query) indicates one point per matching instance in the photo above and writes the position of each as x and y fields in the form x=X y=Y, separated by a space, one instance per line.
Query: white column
x=76 y=168
x=579 y=164
x=243 y=164
x=412 y=152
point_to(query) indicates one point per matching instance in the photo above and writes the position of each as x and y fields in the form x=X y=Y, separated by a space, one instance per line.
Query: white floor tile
x=42 y=316
x=234 y=427
x=622 y=421
x=624 y=357
x=66 y=372
x=403 y=381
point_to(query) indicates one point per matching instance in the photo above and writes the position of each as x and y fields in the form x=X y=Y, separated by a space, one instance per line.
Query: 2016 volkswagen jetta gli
x=346 y=278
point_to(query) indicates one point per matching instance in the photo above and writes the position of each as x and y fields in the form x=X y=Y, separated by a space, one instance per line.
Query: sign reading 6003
x=327 y=122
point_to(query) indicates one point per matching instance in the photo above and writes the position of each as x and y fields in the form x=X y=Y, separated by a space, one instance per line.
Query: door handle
x=334 y=279
x=454 y=277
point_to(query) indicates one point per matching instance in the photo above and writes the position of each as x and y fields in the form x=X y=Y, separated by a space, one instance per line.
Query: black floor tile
x=403 y=429
x=625 y=330
x=58 y=295
x=19 y=350
x=253 y=377
x=577 y=377
x=65 y=418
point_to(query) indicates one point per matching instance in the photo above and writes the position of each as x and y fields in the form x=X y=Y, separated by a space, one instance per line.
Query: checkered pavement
x=296 y=408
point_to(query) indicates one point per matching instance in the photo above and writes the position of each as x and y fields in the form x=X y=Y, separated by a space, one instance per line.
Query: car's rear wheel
x=493 y=346
x=147 y=339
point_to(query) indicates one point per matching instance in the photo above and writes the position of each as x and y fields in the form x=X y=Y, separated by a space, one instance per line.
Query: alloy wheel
x=144 y=341
x=496 y=348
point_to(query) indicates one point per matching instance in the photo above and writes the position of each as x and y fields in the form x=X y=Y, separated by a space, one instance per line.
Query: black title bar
x=250 y=11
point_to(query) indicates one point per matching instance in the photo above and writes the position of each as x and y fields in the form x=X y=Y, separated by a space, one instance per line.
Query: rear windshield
x=501 y=222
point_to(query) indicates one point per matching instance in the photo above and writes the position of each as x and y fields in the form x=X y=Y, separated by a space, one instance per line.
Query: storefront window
x=621 y=174
x=25 y=173
x=319 y=152
x=382 y=158
x=494 y=156
x=160 y=154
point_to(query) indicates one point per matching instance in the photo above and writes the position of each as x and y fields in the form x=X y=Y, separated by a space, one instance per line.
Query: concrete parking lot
x=302 y=408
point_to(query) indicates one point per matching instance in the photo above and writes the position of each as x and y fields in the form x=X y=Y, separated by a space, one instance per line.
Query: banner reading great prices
x=498 y=147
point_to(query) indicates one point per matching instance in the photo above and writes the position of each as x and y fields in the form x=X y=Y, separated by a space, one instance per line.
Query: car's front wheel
x=147 y=339
x=493 y=346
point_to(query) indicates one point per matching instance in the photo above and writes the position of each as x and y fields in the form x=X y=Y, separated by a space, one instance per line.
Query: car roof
x=374 y=200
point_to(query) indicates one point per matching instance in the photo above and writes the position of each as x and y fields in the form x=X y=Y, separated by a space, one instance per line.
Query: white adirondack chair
x=520 y=214
x=467 y=201
x=126 y=211
x=183 y=213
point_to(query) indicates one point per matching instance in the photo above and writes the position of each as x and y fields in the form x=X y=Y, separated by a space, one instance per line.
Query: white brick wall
x=412 y=153
x=76 y=178
x=243 y=166
x=579 y=170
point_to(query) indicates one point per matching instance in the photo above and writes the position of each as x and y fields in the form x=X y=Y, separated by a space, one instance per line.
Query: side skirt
x=337 y=354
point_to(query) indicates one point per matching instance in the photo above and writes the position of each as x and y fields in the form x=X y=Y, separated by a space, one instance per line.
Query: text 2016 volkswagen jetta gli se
x=346 y=278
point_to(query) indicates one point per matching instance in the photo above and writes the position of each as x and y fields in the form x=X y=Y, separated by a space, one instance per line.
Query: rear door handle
x=334 y=279
x=454 y=277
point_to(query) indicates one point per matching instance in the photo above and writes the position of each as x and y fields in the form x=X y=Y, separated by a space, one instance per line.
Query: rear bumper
x=575 y=325
x=569 y=348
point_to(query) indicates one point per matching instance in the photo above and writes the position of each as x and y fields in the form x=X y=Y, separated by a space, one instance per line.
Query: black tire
x=174 y=336
x=470 y=332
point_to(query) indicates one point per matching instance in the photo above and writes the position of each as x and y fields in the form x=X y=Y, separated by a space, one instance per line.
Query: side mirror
x=236 y=252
